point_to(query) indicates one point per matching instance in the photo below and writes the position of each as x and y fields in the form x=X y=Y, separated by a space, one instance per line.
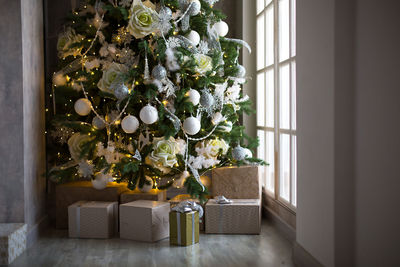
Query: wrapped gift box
x=12 y=241
x=93 y=219
x=242 y=216
x=69 y=193
x=184 y=228
x=237 y=182
x=179 y=198
x=133 y=195
x=144 y=220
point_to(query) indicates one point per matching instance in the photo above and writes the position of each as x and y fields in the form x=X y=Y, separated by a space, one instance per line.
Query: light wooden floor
x=56 y=249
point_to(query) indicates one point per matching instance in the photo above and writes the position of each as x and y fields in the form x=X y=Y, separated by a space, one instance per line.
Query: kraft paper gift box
x=69 y=193
x=153 y=194
x=93 y=219
x=184 y=228
x=179 y=198
x=144 y=220
x=12 y=241
x=237 y=182
x=242 y=216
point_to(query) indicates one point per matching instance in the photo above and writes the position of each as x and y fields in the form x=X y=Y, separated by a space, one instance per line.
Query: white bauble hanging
x=194 y=96
x=148 y=114
x=248 y=153
x=130 y=124
x=98 y=123
x=193 y=37
x=239 y=153
x=221 y=28
x=178 y=183
x=227 y=127
x=101 y=180
x=217 y=118
x=82 y=106
x=59 y=79
x=194 y=8
x=147 y=186
x=191 y=125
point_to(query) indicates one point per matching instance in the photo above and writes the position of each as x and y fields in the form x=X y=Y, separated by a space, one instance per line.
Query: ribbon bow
x=222 y=200
x=188 y=206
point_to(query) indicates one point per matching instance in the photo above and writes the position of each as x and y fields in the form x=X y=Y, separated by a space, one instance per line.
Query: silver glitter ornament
x=240 y=71
x=98 y=123
x=195 y=8
x=206 y=99
x=121 y=91
x=239 y=153
x=167 y=11
x=159 y=72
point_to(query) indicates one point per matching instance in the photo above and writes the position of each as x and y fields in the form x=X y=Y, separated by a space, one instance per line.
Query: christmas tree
x=149 y=93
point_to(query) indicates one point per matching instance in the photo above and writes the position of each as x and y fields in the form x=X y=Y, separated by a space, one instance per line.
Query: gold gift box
x=184 y=228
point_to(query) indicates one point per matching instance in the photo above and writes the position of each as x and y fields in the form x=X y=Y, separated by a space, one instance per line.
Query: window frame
x=277 y=129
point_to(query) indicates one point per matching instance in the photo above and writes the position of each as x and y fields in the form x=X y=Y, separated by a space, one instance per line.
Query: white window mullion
x=276 y=89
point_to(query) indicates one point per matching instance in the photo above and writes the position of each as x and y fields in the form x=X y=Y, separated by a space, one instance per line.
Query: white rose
x=65 y=40
x=109 y=76
x=163 y=156
x=211 y=148
x=204 y=63
x=143 y=20
x=75 y=143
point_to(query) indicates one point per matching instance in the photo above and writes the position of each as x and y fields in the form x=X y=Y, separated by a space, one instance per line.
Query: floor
x=56 y=249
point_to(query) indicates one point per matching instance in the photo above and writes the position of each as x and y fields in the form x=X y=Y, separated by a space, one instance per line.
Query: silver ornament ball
x=239 y=153
x=159 y=72
x=206 y=99
x=98 y=123
x=195 y=8
x=167 y=11
x=121 y=91
x=240 y=71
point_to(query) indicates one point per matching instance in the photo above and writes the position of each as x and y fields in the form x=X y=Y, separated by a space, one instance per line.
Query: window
x=276 y=97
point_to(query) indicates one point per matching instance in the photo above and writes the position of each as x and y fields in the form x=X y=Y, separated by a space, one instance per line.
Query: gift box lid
x=92 y=204
x=236 y=202
x=145 y=204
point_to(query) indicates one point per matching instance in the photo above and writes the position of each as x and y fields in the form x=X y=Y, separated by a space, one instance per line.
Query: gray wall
x=22 y=146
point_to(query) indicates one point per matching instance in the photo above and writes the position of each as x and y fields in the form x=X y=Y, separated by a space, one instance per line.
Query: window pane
x=294 y=95
x=260 y=6
x=269 y=31
x=293 y=27
x=260 y=99
x=267 y=2
x=284 y=96
x=283 y=30
x=260 y=42
x=294 y=171
x=270 y=159
x=284 y=170
x=261 y=155
x=269 y=94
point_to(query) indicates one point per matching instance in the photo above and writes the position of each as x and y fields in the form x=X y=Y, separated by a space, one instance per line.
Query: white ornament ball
x=248 y=153
x=195 y=7
x=82 y=106
x=148 y=114
x=59 y=79
x=194 y=96
x=179 y=183
x=147 y=186
x=239 y=153
x=217 y=118
x=193 y=37
x=191 y=125
x=221 y=28
x=101 y=180
x=240 y=71
x=130 y=124
x=98 y=123
x=227 y=127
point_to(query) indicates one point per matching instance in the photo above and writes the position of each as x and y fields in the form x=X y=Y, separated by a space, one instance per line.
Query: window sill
x=284 y=213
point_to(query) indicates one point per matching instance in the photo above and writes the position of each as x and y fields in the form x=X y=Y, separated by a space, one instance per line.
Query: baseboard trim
x=35 y=231
x=287 y=231
x=302 y=258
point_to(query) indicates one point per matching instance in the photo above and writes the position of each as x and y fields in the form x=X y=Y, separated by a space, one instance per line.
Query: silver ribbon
x=137 y=155
x=240 y=42
x=188 y=206
x=222 y=200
